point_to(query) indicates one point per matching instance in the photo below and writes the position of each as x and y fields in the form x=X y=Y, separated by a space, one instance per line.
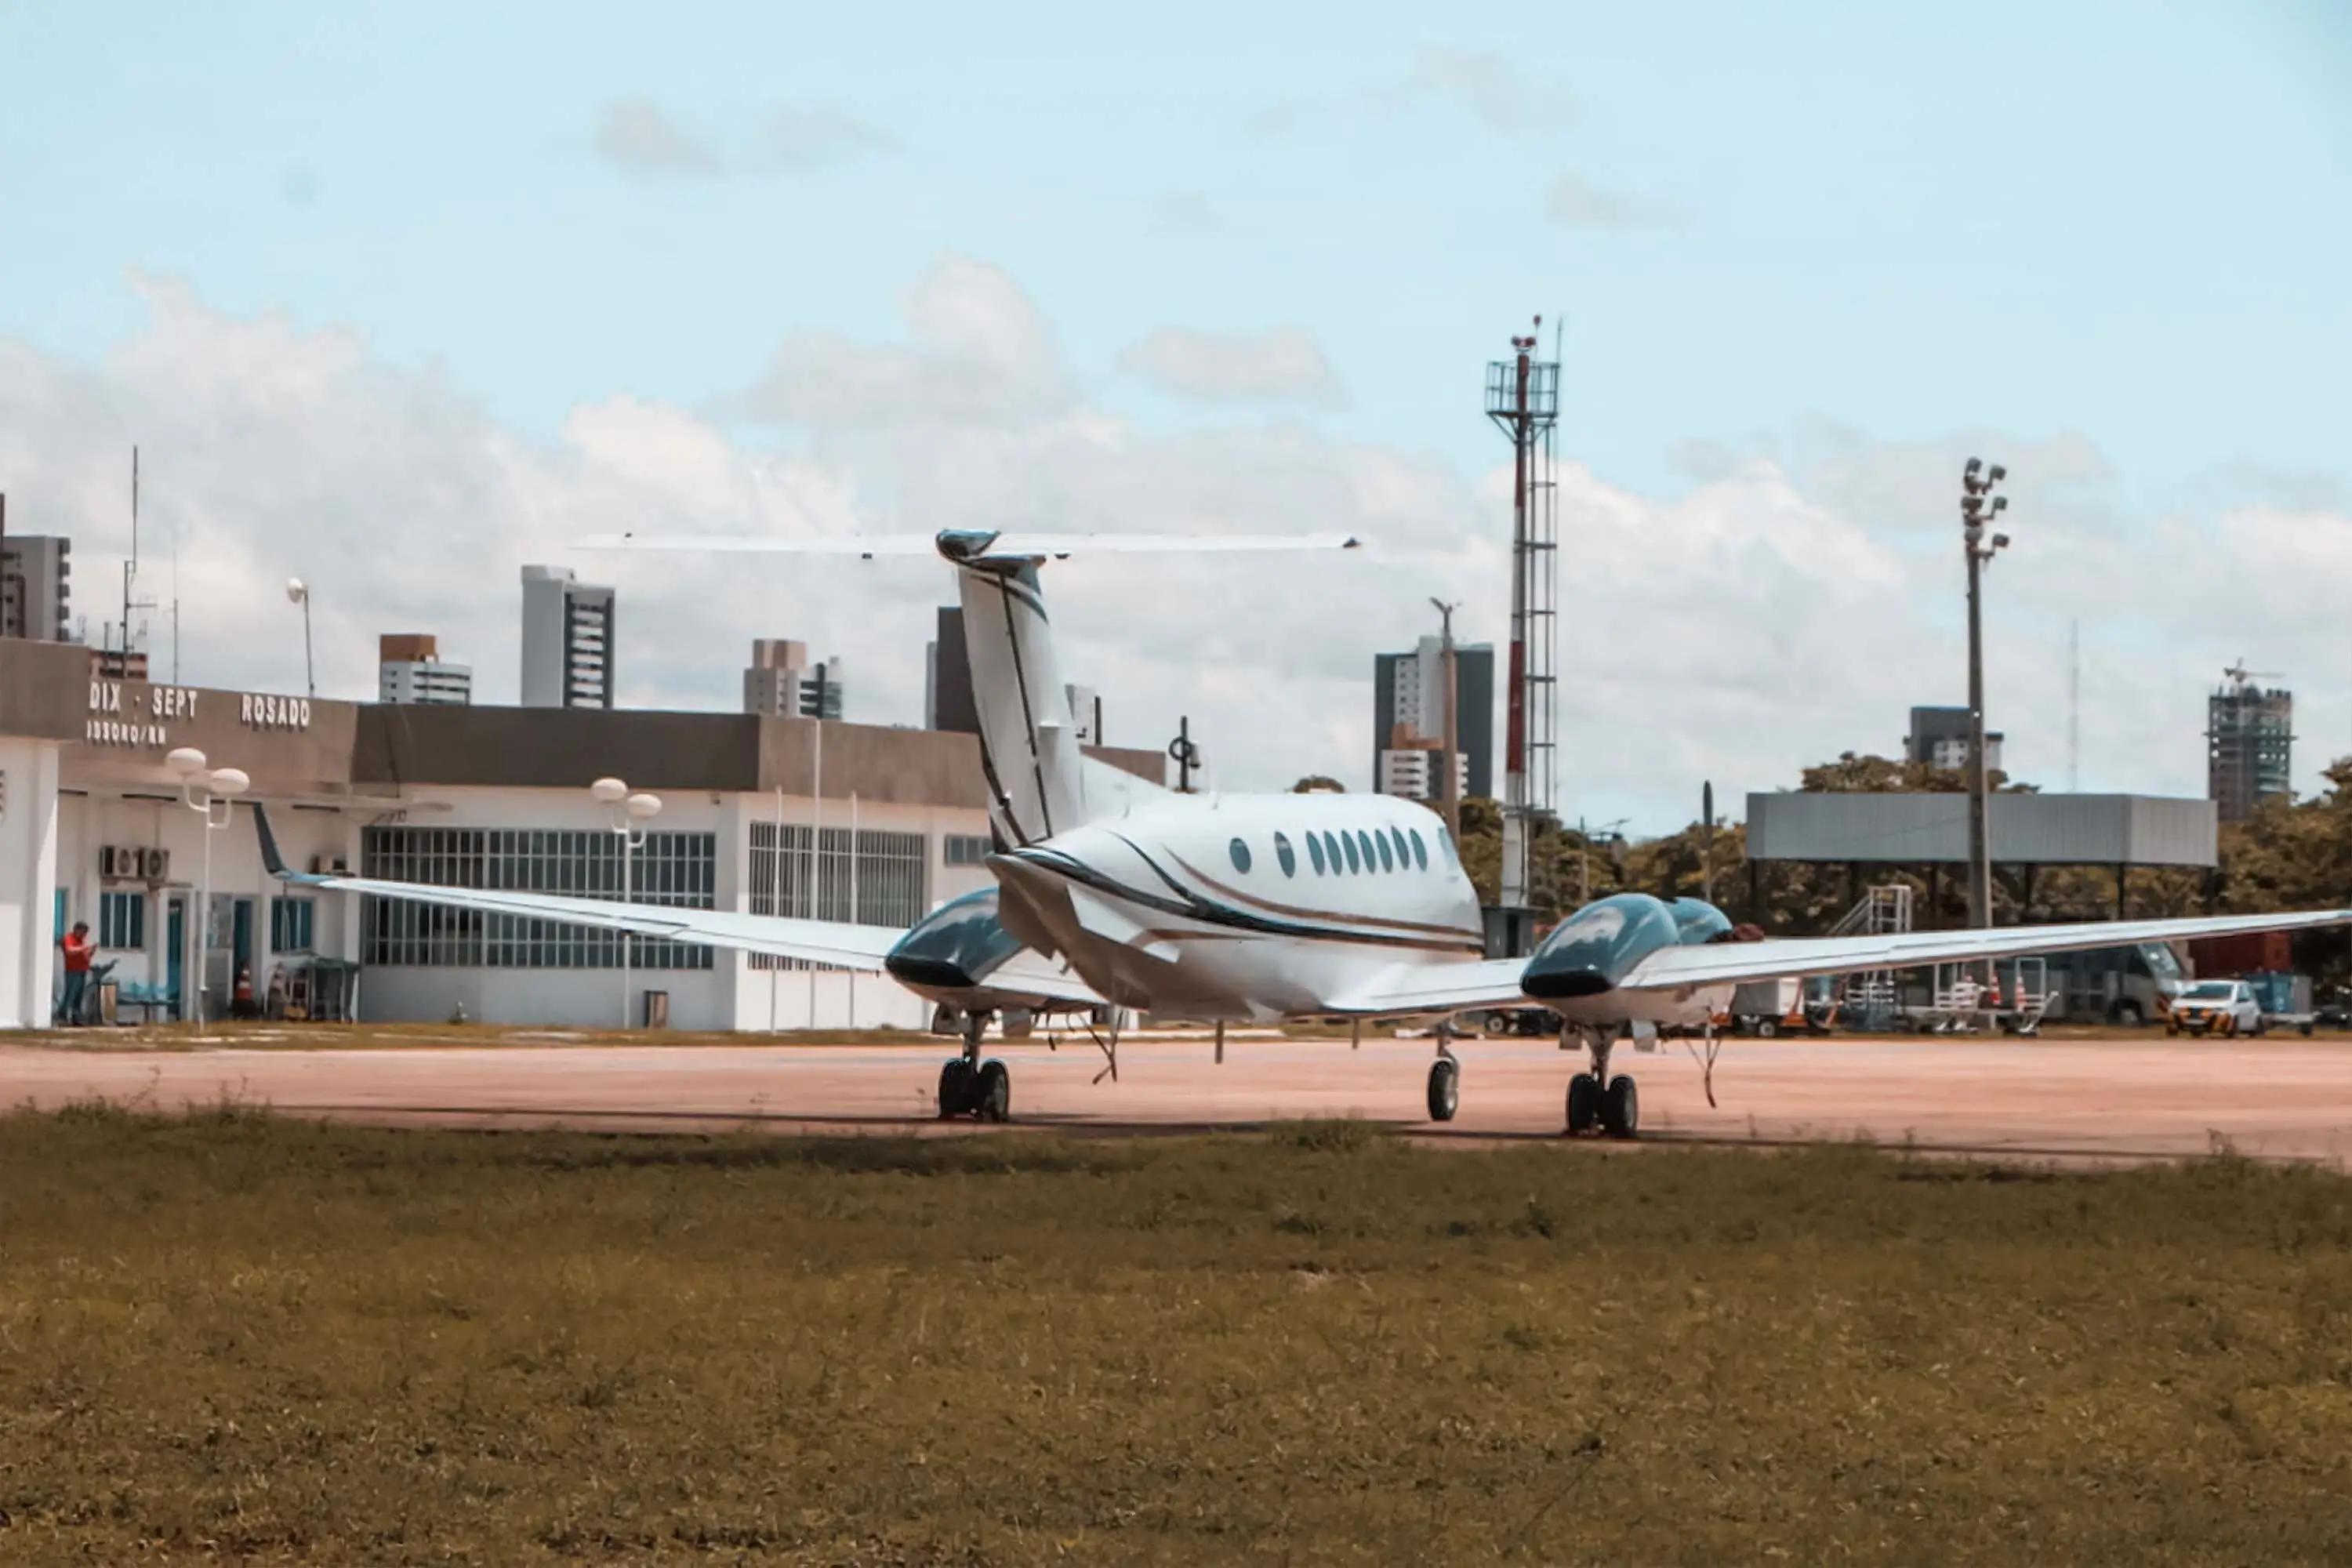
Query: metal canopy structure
x=1918 y=829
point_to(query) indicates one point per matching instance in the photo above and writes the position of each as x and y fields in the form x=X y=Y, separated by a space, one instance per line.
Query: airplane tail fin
x=1037 y=775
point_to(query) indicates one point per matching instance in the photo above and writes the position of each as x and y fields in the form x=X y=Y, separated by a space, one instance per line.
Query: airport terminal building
x=788 y=816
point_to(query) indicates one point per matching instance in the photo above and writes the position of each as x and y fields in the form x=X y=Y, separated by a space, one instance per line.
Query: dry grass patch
x=266 y=1340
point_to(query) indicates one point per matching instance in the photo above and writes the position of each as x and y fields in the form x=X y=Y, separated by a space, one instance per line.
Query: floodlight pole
x=1980 y=849
x=1978 y=508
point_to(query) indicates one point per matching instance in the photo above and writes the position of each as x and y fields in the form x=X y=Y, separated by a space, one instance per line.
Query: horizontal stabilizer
x=1018 y=544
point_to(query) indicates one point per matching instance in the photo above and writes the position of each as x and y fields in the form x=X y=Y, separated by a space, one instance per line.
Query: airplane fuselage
x=1244 y=906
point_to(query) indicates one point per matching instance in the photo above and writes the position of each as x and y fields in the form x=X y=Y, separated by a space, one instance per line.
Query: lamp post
x=1584 y=855
x=1978 y=508
x=201 y=788
x=626 y=813
x=298 y=592
x=1449 y=791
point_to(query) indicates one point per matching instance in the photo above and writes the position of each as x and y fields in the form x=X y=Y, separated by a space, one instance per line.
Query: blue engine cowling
x=1593 y=950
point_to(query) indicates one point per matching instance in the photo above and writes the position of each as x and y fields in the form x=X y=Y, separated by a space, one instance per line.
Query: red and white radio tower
x=1523 y=400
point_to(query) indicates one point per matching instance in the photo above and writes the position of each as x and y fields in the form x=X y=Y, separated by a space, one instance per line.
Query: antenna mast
x=2073 y=707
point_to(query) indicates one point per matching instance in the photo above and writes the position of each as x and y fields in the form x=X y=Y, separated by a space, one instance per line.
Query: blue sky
x=2121 y=221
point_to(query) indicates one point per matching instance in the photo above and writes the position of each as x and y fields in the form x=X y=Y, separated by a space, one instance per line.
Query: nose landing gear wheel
x=1583 y=1102
x=1620 y=1108
x=1444 y=1089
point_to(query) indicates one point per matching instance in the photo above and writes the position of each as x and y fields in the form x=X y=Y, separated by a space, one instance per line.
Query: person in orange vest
x=78 y=950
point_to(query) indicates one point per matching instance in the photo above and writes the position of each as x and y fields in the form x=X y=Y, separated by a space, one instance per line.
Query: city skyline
x=598 y=286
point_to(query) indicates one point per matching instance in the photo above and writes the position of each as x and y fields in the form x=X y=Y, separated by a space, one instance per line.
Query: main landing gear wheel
x=1620 y=1108
x=1583 y=1102
x=993 y=1098
x=1444 y=1089
x=955 y=1088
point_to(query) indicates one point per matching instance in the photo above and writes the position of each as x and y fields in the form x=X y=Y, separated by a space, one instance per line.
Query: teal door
x=176 y=965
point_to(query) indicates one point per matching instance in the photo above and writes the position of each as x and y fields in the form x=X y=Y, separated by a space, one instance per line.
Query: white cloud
x=638 y=137
x=1489 y=87
x=1574 y=202
x=1783 y=610
x=1282 y=365
x=818 y=135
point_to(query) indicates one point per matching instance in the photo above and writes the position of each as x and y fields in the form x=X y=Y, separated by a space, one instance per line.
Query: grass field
x=264 y=1339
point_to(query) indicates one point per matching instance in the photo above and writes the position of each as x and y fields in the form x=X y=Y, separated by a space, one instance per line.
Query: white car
x=2215 y=1007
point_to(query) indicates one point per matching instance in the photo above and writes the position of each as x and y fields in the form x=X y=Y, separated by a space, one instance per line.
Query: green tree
x=1319 y=784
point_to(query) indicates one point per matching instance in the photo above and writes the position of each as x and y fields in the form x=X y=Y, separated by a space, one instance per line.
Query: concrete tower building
x=409 y=668
x=783 y=684
x=2249 y=744
x=36 y=587
x=567 y=640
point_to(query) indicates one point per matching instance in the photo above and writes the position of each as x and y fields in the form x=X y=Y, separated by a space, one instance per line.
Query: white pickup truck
x=2215 y=1007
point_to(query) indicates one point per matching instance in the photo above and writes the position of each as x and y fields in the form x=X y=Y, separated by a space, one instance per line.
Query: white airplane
x=1114 y=894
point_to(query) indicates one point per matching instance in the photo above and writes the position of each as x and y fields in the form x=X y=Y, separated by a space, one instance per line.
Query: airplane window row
x=1345 y=854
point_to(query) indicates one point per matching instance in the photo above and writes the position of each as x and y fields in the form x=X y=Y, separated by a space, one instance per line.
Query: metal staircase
x=1869 y=1000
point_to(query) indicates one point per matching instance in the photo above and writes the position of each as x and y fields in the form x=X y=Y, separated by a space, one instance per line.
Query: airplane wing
x=837 y=943
x=1724 y=962
x=1415 y=990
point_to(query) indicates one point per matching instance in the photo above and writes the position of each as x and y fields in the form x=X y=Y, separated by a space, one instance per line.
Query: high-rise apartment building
x=1409 y=701
x=409 y=668
x=36 y=587
x=947 y=678
x=567 y=640
x=782 y=682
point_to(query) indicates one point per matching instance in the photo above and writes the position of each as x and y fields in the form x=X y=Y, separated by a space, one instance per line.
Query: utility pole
x=1978 y=508
x=1449 y=784
x=1706 y=841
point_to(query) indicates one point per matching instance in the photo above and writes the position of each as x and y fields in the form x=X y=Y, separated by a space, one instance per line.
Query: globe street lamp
x=201 y=788
x=627 y=812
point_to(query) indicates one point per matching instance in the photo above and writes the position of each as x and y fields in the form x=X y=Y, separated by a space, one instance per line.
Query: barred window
x=889 y=878
x=967 y=849
x=675 y=868
x=293 y=920
x=122 y=920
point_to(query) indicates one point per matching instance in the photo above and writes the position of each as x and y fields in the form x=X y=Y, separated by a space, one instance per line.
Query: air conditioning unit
x=328 y=864
x=106 y=853
x=120 y=862
x=155 y=865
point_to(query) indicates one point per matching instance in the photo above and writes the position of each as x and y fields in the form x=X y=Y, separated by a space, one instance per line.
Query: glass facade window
x=674 y=869
x=1283 y=852
x=890 y=879
x=293 y=922
x=122 y=921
